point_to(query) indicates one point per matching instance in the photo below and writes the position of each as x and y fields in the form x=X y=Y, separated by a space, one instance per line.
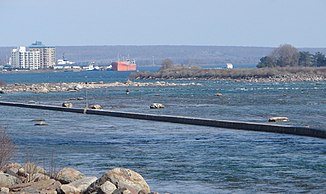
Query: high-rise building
x=47 y=54
x=37 y=56
x=21 y=58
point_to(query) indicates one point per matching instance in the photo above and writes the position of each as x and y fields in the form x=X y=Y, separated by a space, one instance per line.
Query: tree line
x=288 y=56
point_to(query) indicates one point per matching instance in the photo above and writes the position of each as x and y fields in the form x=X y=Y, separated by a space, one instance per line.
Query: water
x=173 y=157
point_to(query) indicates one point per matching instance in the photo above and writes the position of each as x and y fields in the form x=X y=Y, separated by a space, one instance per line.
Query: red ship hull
x=123 y=66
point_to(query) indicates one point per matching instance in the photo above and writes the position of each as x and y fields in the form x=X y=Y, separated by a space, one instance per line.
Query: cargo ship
x=125 y=65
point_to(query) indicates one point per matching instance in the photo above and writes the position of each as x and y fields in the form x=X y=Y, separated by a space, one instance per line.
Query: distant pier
x=240 y=125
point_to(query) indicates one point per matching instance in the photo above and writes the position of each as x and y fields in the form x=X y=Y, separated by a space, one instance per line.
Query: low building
x=229 y=66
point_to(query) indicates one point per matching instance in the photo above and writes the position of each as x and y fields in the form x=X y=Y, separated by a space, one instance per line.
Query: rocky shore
x=283 y=78
x=73 y=87
x=239 y=75
x=30 y=178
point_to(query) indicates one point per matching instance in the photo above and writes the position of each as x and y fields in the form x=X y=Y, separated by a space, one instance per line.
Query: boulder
x=123 y=191
x=278 y=119
x=78 y=186
x=107 y=188
x=68 y=175
x=12 y=166
x=156 y=106
x=122 y=178
x=67 y=104
x=41 y=90
x=68 y=189
x=7 y=180
x=45 y=186
x=4 y=190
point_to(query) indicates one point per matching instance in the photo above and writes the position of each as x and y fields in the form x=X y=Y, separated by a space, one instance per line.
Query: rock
x=7 y=180
x=126 y=178
x=69 y=189
x=21 y=172
x=68 y=175
x=41 y=123
x=156 y=106
x=107 y=188
x=124 y=191
x=278 y=119
x=11 y=168
x=45 y=186
x=78 y=186
x=4 y=190
x=41 y=90
x=122 y=178
x=95 y=106
x=218 y=94
x=67 y=104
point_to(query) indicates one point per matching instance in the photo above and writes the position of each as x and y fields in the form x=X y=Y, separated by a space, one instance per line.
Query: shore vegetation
x=288 y=56
x=7 y=148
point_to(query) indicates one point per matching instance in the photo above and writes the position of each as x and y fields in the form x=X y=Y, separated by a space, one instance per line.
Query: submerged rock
x=41 y=123
x=156 y=106
x=218 y=94
x=278 y=119
x=67 y=104
x=95 y=106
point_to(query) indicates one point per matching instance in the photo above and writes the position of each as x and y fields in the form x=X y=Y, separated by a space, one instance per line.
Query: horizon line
x=172 y=45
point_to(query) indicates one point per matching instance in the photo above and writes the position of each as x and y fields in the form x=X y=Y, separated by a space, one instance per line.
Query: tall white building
x=37 y=56
x=21 y=58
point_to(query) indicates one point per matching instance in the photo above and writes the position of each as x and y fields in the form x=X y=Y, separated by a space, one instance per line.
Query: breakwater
x=240 y=125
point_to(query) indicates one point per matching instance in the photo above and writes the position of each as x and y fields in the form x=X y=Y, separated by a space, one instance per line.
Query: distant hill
x=188 y=55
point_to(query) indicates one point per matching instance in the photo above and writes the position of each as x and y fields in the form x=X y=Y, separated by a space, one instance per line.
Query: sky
x=261 y=23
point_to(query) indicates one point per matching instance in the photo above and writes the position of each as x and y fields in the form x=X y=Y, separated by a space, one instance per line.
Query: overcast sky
x=270 y=23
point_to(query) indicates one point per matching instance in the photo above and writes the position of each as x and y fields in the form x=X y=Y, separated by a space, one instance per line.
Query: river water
x=171 y=157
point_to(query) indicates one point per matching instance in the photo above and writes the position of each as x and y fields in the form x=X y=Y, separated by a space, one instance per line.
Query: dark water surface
x=173 y=157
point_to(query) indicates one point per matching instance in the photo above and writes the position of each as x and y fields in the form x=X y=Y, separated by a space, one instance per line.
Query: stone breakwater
x=290 y=74
x=278 y=78
x=300 y=77
x=30 y=178
x=73 y=87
